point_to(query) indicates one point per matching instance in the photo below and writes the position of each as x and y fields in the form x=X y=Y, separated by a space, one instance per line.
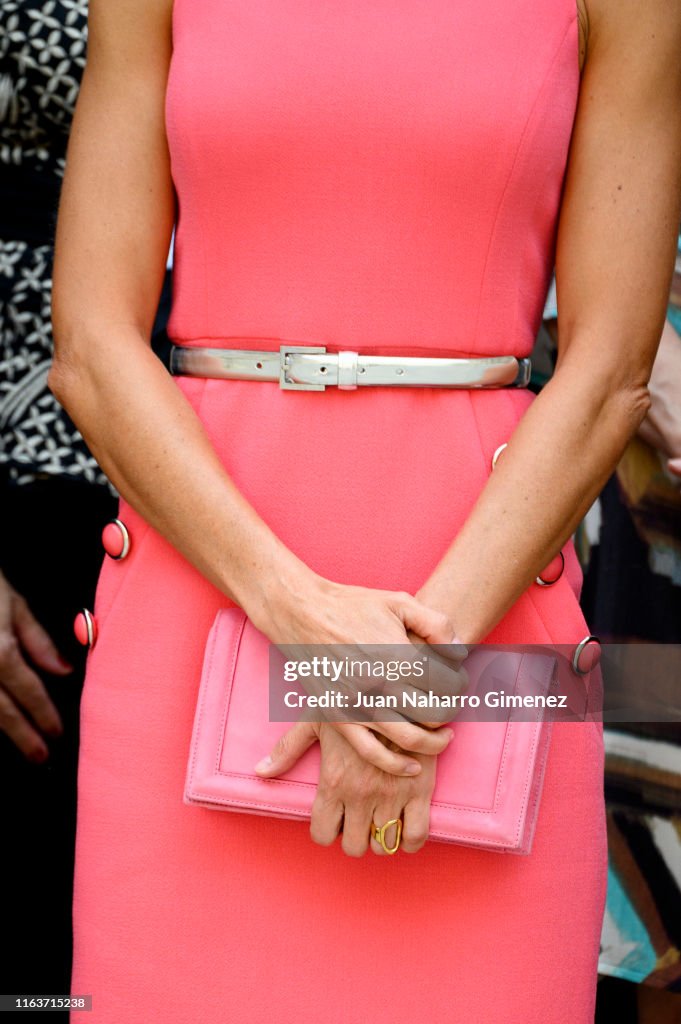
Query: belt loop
x=347 y=371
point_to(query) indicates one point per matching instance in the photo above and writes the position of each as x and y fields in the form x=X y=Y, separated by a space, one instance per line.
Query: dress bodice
x=371 y=175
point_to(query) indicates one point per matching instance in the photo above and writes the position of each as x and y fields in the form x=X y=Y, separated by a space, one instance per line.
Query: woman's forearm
x=152 y=445
x=116 y=212
x=560 y=455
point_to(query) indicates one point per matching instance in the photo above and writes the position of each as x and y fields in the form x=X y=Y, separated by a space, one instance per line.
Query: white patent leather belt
x=312 y=368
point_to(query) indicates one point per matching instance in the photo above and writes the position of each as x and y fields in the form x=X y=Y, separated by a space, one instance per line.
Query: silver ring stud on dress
x=116 y=539
x=495 y=457
x=553 y=571
x=85 y=628
x=586 y=655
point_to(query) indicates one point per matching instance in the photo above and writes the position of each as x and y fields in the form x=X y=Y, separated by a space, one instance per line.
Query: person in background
x=54 y=503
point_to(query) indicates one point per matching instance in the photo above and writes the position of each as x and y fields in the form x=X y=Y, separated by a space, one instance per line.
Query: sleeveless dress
x=383 y=177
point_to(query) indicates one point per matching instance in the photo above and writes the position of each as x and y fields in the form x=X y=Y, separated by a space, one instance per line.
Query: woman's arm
x=615 y=256
x=115 y=221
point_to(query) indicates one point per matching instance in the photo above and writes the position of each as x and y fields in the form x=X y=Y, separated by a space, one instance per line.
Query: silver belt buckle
x=285 y=353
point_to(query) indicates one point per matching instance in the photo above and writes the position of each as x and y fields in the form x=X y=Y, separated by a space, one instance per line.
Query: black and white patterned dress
x=42 y=55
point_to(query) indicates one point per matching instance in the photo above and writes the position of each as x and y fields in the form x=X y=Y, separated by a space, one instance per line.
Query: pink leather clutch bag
x=489 y=779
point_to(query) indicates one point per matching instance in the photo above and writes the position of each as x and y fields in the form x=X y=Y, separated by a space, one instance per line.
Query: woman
x=363 y=178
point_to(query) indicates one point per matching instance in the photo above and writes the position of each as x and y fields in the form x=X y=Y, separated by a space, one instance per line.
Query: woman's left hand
x=352 y=793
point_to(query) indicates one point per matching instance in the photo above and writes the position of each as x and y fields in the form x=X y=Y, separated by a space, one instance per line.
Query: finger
x=435 y=627
x=26 y=689
x=447 y=659
x=425 y=708
x=674 y=466
x=372 y=750
x=433 y=701
x=327 y=819
x=384 y=812
x=416 y=822
x=415 y=738
x=35 y=640
x=288 y=749
x=356 y=828
x=455 y=650
x=20 y=732
x=449 y=656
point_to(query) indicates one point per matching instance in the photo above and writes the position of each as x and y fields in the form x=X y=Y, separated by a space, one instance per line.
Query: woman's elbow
x=59 y=380
x=64 y=372
x=61 y=371
x=75 y=334
x=629 y=404
x=613 y=391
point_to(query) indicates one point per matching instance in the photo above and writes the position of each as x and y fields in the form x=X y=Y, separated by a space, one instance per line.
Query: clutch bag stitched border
x=489 y=778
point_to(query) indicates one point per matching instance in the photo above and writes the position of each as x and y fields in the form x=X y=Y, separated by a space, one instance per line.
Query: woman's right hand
x=352 y=793
x=352 y=617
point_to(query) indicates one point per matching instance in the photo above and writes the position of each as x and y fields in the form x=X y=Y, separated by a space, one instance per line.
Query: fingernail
x=65 y=665
x=448 y=734
x=413 y=768
x=39 y=756
x=264 y=765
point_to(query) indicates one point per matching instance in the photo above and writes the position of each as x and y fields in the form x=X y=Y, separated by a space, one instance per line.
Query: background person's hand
x=26 y=710
x=674 y=466
x=352 y=793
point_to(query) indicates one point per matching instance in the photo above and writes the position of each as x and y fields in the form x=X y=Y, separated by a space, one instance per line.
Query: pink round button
x=85 y=627
x=586 y=655
x=553 y=571
x=116 y=539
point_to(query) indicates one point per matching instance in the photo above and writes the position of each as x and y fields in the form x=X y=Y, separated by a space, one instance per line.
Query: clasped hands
x=370 y=771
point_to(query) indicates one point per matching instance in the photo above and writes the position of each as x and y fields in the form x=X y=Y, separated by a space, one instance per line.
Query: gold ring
x=379 y=834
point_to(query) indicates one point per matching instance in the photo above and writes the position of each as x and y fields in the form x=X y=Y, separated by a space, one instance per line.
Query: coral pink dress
x=384 y=177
